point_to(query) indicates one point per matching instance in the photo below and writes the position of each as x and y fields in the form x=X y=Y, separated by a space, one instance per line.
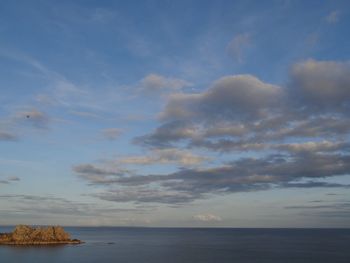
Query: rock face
x=26 y=235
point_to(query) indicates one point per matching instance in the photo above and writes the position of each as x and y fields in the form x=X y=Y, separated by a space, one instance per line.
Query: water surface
x=175 y=245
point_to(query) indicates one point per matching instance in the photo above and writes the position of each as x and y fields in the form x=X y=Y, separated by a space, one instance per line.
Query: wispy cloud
x=8 y=136
x=9 y=179
x=237 y=46
x=333 y=17
x=334 y=209
x=21 y=122
x=155 y=84
x=50 y=205
x=112 y=133
x=34 y=117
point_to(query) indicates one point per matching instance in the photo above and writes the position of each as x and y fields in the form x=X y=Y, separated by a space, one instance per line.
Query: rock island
x=26 y=235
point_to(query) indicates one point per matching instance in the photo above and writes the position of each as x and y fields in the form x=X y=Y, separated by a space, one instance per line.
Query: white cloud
x=207 y=218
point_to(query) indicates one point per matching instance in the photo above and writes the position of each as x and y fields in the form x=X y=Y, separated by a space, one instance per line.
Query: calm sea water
x=168 y=245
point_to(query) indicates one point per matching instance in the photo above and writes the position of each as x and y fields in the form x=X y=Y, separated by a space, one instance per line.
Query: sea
x=189 y=245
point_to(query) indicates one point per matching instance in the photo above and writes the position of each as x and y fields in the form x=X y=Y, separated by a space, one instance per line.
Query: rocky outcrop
x=26 y=235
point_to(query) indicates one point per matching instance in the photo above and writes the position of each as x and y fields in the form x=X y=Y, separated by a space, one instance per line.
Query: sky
x=175 y=113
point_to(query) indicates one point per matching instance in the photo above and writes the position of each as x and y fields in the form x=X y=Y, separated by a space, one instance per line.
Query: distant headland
x=26 y=235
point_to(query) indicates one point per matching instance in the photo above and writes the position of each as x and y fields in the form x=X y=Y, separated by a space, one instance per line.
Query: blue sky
x=175 y=113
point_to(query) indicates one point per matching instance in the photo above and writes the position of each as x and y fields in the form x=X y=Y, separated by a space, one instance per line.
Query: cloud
x=333 y=17
x=300 y=130
x=237 y=45
x=23 y=58
x=8 y=136
x=322 y=146
x=13 y=178
x=145 y=195
x=207 y=218
x=243 y=113
x=230 y=97
x=332 y=206
x=61 y=91
x=92 y=169
x=100 y=174
x=34 y=117
x=321 y=85
x=86 y=114
x=4 y=182
x=54 y=206
x=13 y=126
x=102 y=15
x=154 y=83
x=312 y=184
x=245 y=174
x=169 y=132
x=10 y=179
x=226 y=129
x=112 y=133
x=66 y=94
x=312 y=127
x=165 y=156
x=334 y=209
